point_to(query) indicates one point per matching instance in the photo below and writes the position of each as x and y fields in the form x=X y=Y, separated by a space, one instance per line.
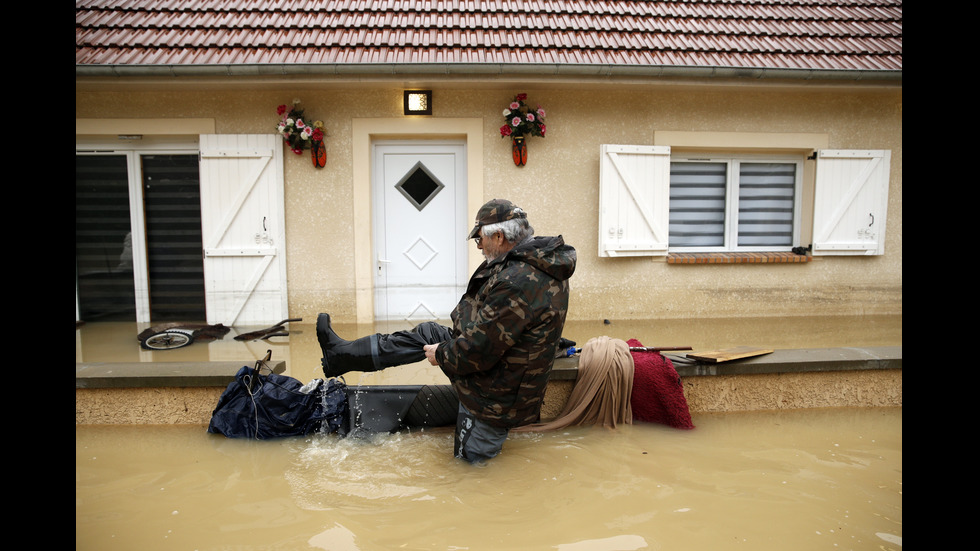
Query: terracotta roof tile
x=862 y=35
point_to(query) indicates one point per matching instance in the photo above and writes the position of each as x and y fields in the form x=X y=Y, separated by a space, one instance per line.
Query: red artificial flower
x=505 y=130
x=281 y=109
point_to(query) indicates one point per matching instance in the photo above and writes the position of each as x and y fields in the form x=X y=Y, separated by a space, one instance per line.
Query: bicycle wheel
x=168 y=340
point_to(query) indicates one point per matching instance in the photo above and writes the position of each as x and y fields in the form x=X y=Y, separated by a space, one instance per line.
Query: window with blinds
x=733 y=204
x=766 y=204
x=172 y=209
x=698 y=192
x=103 y=240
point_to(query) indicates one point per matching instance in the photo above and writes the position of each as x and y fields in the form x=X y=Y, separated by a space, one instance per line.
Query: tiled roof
x=281 y=35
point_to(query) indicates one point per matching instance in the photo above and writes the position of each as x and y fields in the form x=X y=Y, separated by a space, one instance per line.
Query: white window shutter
x=243 y=226
x=851 y=202
x=634 y=200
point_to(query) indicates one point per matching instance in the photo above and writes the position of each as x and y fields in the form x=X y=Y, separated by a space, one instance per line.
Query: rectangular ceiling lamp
x=418 y=102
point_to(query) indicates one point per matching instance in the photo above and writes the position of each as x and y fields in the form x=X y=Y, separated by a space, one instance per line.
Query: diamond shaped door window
x=419 y=186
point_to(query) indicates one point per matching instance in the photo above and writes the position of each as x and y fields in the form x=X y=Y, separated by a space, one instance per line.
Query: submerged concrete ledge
x=159 y=375
x=186 y=393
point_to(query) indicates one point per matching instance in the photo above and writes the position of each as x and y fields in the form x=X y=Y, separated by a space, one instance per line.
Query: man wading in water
x=499 y=352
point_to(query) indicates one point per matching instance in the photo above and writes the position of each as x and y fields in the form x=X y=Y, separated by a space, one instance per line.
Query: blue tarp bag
x=260 y=406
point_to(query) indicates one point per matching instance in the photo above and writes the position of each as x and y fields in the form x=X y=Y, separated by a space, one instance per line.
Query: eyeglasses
x=479 y=237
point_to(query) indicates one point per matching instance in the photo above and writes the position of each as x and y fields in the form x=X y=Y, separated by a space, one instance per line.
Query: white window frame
x=731 y=224
x=848 y=195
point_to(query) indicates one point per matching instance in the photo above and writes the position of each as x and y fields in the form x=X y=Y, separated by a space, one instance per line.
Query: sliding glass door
x=138 y=249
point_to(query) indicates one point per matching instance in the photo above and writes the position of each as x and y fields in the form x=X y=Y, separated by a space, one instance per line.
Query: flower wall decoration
x=522 y=120
x=301 y=134
x=519 y=121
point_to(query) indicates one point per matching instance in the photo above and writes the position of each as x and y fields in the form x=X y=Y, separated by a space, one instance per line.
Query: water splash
x=356 y=472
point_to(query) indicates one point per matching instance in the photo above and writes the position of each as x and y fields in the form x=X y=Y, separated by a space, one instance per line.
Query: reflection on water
x=116 y=342
x=827 y=479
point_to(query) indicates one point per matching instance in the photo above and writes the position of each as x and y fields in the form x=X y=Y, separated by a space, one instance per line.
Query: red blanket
x=658 y=395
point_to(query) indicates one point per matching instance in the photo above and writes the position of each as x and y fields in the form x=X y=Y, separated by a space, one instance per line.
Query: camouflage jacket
x=506 y=329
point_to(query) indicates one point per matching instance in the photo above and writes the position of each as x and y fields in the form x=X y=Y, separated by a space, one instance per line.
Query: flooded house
x=706 y=159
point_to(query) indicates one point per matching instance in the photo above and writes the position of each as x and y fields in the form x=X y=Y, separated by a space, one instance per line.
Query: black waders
x=375 y=352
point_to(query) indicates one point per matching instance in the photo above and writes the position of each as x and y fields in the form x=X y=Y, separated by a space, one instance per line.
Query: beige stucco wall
x=558 y=187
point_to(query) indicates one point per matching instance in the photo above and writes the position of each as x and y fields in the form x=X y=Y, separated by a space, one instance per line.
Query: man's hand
x=430 y=353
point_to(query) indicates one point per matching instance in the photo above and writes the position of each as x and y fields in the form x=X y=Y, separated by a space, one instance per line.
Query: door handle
x=382 y=261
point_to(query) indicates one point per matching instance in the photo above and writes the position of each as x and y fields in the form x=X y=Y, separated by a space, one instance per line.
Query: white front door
x=420 y=224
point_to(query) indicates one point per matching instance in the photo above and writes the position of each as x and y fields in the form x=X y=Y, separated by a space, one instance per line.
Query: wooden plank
x=728 y=354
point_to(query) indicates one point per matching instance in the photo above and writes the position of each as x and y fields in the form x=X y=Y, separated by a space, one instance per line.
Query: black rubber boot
x=358 y=355
x=325 y=334
x=341 y=356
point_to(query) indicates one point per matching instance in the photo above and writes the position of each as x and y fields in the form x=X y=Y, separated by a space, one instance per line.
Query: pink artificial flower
x=300 y=123
x=514 y=105
x=530 y=117
x=541 y=112
x=516 y=121
x=505 y=130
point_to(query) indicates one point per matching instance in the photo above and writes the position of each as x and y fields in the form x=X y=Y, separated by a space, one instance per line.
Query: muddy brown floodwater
x=775 y=480
x=803 y=479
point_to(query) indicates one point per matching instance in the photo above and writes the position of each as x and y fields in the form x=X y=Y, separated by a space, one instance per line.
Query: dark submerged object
x=276 y=330
x=263 y=405
x=172 y=335
x=375 y=409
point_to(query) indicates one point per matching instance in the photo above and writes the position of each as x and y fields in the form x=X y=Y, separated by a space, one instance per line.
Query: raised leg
x=375 y=352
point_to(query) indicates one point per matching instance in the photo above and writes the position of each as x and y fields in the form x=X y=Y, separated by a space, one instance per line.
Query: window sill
x=738 y=258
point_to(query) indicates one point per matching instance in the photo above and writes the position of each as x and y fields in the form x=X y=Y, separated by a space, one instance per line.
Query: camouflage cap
x=496 y=210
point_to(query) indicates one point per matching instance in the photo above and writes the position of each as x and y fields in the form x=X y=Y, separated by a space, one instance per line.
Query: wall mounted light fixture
x=418 y=102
